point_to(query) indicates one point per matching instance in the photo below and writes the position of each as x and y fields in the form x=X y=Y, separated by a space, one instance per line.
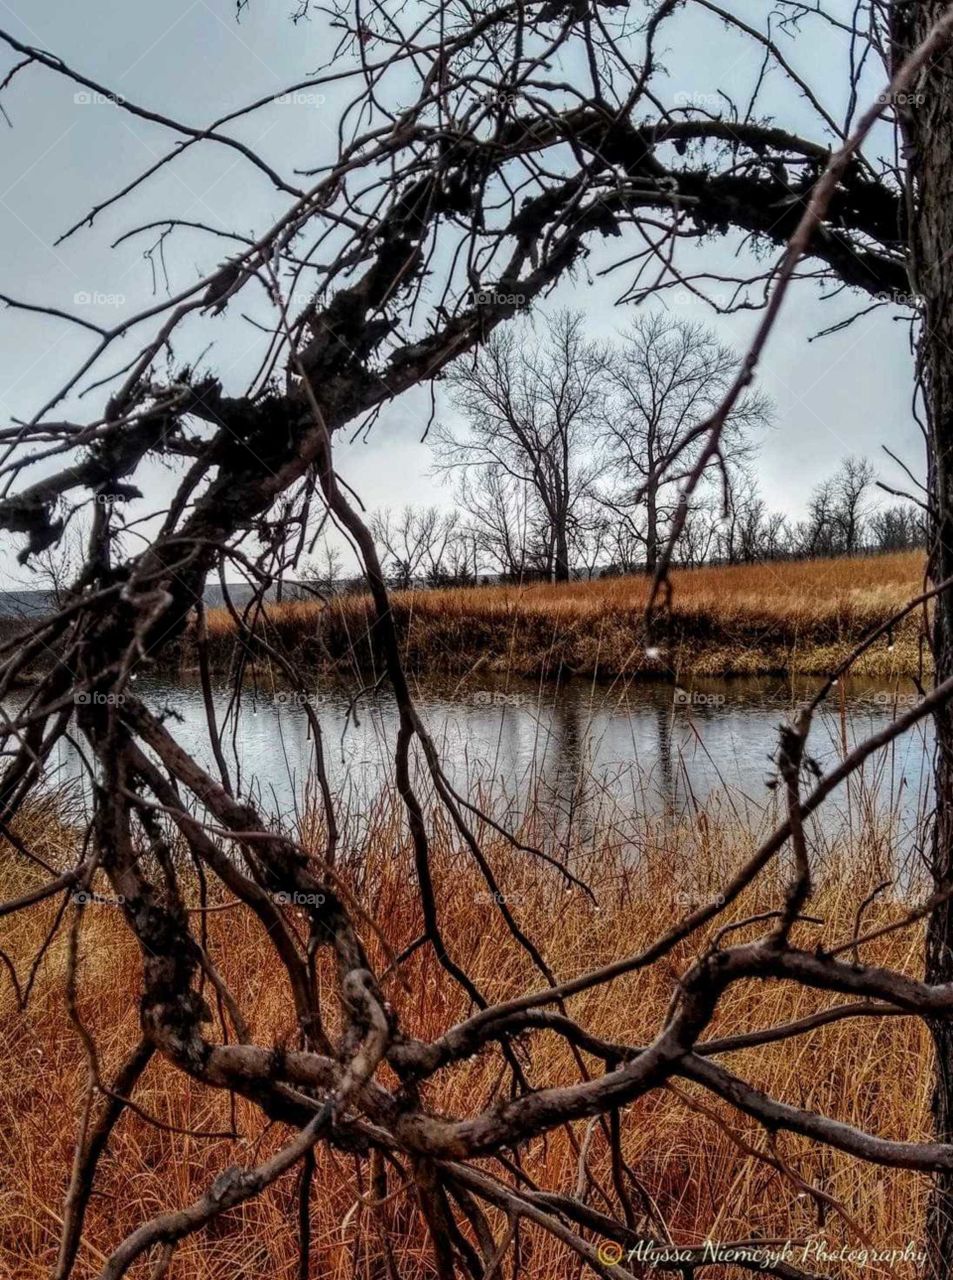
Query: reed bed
x=764 y=619
x=699 y=1163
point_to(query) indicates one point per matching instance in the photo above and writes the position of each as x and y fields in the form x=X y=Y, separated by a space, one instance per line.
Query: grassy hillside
x=799 y=616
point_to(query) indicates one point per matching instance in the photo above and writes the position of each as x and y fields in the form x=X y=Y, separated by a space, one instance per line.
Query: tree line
x=569 y=458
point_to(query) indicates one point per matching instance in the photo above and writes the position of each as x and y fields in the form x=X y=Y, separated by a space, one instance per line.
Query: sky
x=63 y=152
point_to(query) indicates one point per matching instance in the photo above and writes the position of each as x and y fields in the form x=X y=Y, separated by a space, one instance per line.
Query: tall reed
x=793 y=616
x=706 y=1171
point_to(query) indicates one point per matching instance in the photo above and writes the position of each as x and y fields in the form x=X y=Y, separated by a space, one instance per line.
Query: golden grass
x=875 y=1075
x=798 y=617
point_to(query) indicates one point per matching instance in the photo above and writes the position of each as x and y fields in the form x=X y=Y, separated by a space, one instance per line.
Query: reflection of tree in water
x=666 y=770
x=580 y=800
x=565 y=782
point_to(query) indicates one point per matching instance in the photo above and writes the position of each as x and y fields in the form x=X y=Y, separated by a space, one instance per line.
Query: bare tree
x=324 y=570
x=53 y=570
x=898 y=527
x=417 y=542
x=500 y=521
x=851 y=485
x=592 y=537
x=819 y=534
x=751 y=532
x=625 y=547
x=665 y=377
x=468 y=180
x=837 y=512
x=530 y=413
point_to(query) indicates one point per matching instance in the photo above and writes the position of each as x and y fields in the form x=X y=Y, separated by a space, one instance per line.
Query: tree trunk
x=651 y=529
x=561 y=567
x=928 y=129
x=938 y=331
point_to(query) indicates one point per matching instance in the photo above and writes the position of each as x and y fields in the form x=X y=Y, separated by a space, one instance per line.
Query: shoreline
x=784 y=619
x=792 y=618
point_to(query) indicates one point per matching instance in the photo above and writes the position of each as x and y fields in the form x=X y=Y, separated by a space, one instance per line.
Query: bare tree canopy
x=420 y=543
x=531 y=416
x=666 y=378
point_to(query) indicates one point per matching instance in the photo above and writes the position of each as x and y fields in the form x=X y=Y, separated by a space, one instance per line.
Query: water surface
x=591 y=754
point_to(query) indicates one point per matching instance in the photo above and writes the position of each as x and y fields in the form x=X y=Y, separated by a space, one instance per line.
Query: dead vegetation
x=703 y=1169
x=792 y=616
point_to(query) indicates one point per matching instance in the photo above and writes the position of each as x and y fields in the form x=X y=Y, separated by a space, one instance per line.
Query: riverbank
x=708 y=1172
x=795 y=617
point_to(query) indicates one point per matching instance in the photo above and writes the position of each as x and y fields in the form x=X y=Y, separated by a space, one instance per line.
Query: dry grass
x=800 y=616
x=870 y=1074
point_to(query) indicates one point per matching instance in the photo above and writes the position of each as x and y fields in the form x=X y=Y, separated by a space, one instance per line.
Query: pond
x=591 y=754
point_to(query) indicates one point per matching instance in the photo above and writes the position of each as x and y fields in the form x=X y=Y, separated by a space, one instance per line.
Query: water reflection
x=594 y=756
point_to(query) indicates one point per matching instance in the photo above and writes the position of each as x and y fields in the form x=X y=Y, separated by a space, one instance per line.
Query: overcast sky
x=849 y=393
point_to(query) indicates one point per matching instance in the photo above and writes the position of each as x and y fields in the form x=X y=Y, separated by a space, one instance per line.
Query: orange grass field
x=701 y=1164
x=790 y=616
